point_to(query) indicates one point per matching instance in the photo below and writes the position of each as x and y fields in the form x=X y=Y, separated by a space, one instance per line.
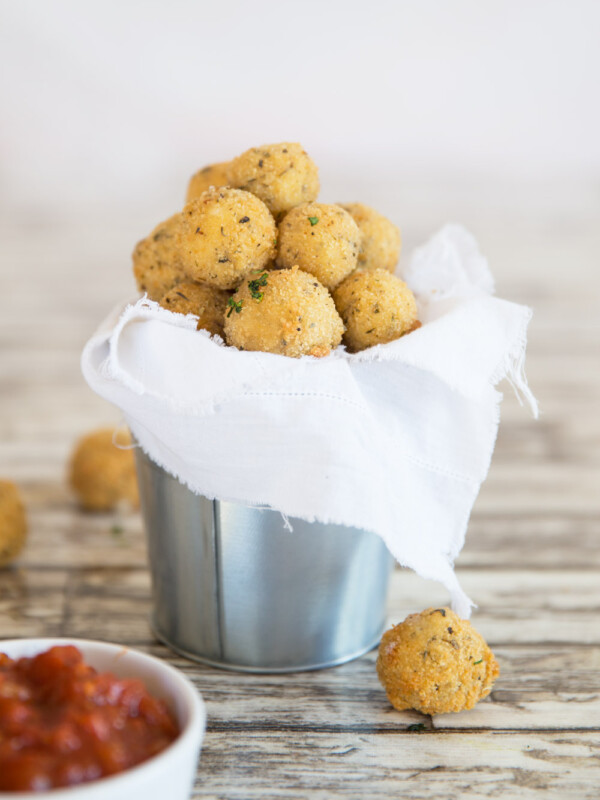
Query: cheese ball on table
x=206 y=302
x=213 y=175
x=102 y=474
x=13 y=523
x=376 y=308
x=226 y=234
x=282 y=175
x=380 y=238
x=321 y=239
x=286 y=312
x=435 y=662
x=157 y=265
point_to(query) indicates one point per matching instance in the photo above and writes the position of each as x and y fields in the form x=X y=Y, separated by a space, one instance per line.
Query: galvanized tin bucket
x=233 y=588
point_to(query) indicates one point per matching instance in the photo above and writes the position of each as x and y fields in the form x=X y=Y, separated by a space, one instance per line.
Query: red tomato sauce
x=62 y=723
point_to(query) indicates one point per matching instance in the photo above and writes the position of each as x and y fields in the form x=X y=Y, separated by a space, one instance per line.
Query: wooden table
x=531 y=561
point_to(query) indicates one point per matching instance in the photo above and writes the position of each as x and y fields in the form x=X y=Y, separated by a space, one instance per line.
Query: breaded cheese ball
x=157 y=264
x=206 y=302
x=13 y=523
x=435 y=662
x=226 y=234
x=286 y=312
x=321 y=239
x=214 y=175
x=282 y=175
x=102 y=475
x=380 y=238
x=376 y=308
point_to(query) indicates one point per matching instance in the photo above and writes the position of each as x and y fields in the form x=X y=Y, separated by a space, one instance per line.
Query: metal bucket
x=233 y=588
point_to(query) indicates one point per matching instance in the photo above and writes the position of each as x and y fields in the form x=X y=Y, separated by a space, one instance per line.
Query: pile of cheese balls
x=262 y=264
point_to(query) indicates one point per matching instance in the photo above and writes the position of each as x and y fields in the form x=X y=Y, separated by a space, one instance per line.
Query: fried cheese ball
x=206 y=302
x=13 y=523
x=287 y=312
x=226 y=234
x=376 y=308
x=214 y=175
x=157 y=264
x=380 y=238
x=102 y=475
x=321 y=239
x=282 y=175
x=435 y=662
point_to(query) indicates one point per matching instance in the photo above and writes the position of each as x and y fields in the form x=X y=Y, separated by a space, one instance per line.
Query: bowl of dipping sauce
x=84 y=720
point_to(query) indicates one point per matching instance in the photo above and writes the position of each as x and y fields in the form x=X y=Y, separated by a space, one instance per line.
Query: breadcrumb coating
x=13 y=522
x=101 y=474
x=283 y=175
x=214 y=175
x=380 y=238
x=226 y=234
x=376 y=308
x=321 y=239
x=206 y=302
x=157 y=265
x=435 y=662
x=286 y=312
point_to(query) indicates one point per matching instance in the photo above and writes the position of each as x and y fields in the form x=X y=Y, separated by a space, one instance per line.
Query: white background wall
x=114 y=103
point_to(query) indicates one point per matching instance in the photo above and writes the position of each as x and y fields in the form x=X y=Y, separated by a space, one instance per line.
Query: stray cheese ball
x=321 y=239
x=282 y=175
x=204 y=301
x=376 y=308
x=102 y=475
x=286 y=312
x=380 y=238
x=214 y=175
x=226 y=234
x=157 y=265
x=13 y=523
x=435 y=662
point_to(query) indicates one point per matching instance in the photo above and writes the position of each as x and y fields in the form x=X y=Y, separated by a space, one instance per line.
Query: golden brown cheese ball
x=321 y=239
x=157 y=264
x=380 y=238
x=282 y=175
x=213 y=175
x=286 y=312
x=376 y=307
x=102 y=474
x=204 y=301
x=435 y=662
x=13 y=523
x=226 y=234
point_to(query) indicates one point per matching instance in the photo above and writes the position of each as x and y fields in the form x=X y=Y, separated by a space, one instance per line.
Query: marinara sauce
x=62 y=723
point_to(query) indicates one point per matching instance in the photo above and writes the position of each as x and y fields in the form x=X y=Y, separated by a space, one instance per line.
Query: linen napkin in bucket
x=396 y=439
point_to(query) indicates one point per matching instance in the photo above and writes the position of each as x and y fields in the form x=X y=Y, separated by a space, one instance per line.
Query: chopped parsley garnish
x=477 y=662
x=255 y=286
x=313 y=220
x=117 y=530
x=234 y=305
x=417 y=726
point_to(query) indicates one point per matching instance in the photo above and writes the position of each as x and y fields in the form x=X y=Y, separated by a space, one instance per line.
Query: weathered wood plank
x=61 y=535
x=515 y=606
x=32 y=603
x=431 y=766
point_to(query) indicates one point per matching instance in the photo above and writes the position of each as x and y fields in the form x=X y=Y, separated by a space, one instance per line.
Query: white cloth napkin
x=396 y=439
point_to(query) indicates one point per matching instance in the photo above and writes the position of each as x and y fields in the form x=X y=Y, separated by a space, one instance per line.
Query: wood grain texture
x=531 y=560
x=415 y=765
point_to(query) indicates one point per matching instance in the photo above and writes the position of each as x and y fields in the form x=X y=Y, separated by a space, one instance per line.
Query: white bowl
x=170 y=774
